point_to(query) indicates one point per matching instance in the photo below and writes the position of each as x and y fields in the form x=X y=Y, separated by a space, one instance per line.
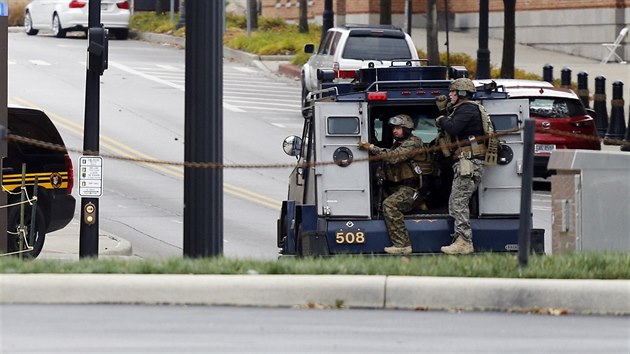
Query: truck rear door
x=500 y=187
x=343 y=184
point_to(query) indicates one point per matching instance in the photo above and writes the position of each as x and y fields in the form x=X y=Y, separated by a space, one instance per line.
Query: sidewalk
x=532 y=59
x=64 y=244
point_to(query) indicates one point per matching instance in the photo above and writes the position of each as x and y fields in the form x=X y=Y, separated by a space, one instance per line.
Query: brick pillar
x=564 y=208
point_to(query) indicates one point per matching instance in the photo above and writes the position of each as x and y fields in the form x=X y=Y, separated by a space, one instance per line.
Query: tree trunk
x=509 y=39
x=386 y=12
x=303 y=16
x=160 y=7
x=433 y=52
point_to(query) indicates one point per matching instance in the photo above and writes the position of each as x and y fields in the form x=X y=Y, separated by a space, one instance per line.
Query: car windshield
x=376 y=48
x=555 y=107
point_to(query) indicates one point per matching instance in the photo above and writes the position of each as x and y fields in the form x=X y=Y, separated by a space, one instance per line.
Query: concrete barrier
x=609 y=297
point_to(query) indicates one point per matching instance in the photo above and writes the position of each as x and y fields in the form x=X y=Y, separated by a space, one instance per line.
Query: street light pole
x=327 y=18
x=483 y=53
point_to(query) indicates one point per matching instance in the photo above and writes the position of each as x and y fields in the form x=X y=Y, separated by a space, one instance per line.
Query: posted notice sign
x=90 y=176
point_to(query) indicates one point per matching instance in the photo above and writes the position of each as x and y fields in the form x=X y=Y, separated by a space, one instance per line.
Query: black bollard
x=625 y=144
x=548 y=73
x=599 y=105
x=617 y=127
x=582 y=88
x=565 y=77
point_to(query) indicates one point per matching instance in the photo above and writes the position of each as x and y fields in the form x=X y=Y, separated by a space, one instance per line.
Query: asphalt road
x=201 y=329
x=142 y=117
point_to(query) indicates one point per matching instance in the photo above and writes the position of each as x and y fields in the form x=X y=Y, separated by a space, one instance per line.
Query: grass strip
x=570 y=266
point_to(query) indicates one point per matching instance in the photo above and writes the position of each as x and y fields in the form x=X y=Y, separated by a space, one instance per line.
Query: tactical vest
x=406 y=170
x=489 y=148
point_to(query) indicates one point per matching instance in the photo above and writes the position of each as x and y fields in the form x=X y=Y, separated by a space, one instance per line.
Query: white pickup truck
x=348 y=48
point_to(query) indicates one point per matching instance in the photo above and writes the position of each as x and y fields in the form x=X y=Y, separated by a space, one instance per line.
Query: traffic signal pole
x=203 y=187
x=97 y=63
x=4 y=12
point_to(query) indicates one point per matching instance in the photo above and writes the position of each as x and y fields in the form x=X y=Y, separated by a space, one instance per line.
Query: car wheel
x=58 y=31
x=121 y=33
x=28 y=25
x=13 y=239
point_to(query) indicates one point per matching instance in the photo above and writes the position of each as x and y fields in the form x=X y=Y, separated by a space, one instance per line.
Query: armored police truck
x=334 y=203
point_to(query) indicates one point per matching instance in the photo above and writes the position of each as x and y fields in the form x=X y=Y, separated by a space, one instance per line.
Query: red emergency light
x=346 y=74
x=377 y=96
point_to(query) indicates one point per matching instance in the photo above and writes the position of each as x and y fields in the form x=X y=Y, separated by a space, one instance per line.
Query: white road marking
x=245 y=70
x=163 y=82
x=167 y=67
x=39 y=62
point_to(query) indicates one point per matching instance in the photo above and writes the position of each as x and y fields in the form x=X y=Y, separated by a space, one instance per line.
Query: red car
x=562 y=122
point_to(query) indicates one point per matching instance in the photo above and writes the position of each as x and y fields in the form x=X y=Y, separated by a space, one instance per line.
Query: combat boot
x=460 y=246
x=398 y=250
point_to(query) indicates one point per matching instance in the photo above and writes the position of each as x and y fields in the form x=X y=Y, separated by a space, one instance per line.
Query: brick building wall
x=289 y=8
x=577 y=27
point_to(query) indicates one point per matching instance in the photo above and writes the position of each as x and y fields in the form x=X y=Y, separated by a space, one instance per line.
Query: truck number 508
x=342 y=237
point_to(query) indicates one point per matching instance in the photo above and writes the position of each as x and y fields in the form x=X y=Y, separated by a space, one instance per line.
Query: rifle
x=380 y=181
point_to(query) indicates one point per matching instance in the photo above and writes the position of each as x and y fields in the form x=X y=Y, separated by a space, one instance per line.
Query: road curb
x=609 y=297
x=290 y=70
x=159 y=38
x=121 y=247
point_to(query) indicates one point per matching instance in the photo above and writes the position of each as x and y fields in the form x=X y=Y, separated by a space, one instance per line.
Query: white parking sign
x=90 y=176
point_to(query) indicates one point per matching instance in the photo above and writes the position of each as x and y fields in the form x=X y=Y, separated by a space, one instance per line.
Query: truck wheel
x=13 y=240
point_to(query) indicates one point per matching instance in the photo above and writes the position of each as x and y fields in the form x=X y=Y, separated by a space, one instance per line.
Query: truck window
x=324 y=49
x=382 y=48
x=335 y=41
x=504 y=122
x=425 y=128
x=343 y=126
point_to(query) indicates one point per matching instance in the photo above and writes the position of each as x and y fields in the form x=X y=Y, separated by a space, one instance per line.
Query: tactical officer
x=464 y=126
x=405 y=163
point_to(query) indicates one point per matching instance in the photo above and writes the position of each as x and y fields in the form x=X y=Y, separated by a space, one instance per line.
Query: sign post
x=90 y=183
x=4 y=12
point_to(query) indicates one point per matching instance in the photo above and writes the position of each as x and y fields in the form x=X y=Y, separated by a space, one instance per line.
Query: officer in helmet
x=403 y=174
x=463 y=126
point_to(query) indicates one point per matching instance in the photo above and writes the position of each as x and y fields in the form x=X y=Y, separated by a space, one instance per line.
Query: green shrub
x=271 y=43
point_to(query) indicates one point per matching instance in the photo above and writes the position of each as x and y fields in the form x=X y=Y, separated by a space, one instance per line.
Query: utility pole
x=182 y=15
x=203 y=187
x=386 y=12
x=97 y=64
x=327 y=18
x=4 y=23
x=483 y=53
x=409 y=13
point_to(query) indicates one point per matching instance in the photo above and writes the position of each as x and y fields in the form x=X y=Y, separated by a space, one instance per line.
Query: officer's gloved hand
x=438 y=121
x=441 y=102
x=364 y=145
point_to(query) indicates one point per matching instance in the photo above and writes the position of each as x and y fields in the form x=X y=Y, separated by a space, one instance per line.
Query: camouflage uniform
x=402 y=194
x=461 y=192
x=464 y=121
